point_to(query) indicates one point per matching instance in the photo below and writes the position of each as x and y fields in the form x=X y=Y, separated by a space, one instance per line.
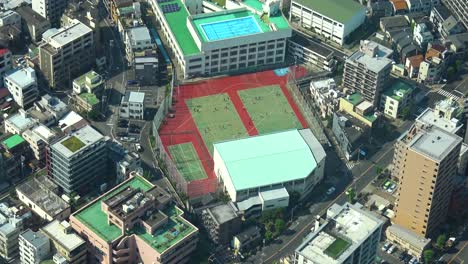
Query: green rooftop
x=267 y=160
x=90 y=79
x=89 y=98
x=339 y=10
x=335 y=249
x=73 y=143
x=95 y=219
x=355 y=98
x=398 y=90
x=13 y=141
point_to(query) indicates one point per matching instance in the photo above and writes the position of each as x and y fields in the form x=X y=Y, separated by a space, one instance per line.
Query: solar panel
x=169 y=8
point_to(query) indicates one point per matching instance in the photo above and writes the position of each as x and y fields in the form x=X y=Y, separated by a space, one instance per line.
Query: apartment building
x=22 y=84
x=19 y=122
x=396 y=97
x=66 y=54
x=33 y=247
x=444 y=22
x=333 y=19
x=459 y=8
x=349 y=234
x=78 y=161
x=5 y=62
x=51 y=10
x=137 y=39
x=10 y=229
x=38 y=138
x=137 y=224
x=425 y=164
x=221 y=222
x=66 y=245
x=326 y=96
x=311 y=53
x=424 y=6
x=367 y=70
x=133 y=105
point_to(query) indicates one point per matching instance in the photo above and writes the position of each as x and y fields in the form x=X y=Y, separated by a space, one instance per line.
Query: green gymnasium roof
x=267 y=159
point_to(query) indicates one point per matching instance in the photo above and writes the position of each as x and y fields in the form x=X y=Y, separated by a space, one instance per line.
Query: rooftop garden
x=73 y=144
x=335 y=249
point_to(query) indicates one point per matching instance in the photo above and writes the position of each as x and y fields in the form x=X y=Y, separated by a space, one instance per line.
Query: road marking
x=332 y=202
x=456 y=256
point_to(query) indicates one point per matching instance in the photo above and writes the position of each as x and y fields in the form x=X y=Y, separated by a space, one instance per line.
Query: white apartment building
x=33 y=246
x=10 y=228
x=220 y=51
x=19 y=122
x=331 y=19
x=350 y=227
x=325 y=96
x=137 y=39
x=5 y=63
x=22 y=84
x=51 y=10
x=11 y=18
x=38 y=138
x=422 y=35
x=133 y=105
x=431 y=70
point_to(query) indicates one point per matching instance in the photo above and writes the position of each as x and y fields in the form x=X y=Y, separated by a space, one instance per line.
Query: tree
x=441 y=241
x=351 y=194
x=294 y=198
x=451 y=72
x=378 y=170
x=279 y=225
x=406 y=112
x=428 y=256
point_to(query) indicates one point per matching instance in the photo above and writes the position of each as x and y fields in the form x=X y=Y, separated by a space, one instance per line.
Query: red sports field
x=223 y=109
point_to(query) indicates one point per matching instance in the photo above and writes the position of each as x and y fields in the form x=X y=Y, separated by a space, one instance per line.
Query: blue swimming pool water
x=231 y=28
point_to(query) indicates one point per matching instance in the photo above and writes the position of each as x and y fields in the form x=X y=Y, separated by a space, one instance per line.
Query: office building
x=425 y=162
x=78 y=161
x=22 y=84
x=459 y=8
x=41 y=196
x=5 y=62
x=221 y=223
x=51 y=10
x=203 y=45
x=350 y=234
x=33 y=247
x=66 y=245
x=135 y=222
x=367 y=71
x=66 y=53
x=334 y=20
x=133 y=105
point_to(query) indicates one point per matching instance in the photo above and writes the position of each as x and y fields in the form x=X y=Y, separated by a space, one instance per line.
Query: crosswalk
x=350 y=165
x=448 y=94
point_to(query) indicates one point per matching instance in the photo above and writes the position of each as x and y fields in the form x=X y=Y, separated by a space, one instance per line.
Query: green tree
x=406 y=112
x=440 y=242
x=294 y=198
x=351 y=194
x=279 y=225
x=451 y=71
x=428 y=256
x=378 y=170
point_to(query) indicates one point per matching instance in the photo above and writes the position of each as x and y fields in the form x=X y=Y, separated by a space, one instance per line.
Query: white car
x=391 y=249
x=391 y=188
x=386 y=246
x=413 y=260
x=331 y=190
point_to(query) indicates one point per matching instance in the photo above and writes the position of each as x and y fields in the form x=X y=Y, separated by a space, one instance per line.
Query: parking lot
x=390 y=253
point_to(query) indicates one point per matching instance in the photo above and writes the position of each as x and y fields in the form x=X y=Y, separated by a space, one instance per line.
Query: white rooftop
x=21 y=122
x=67 y=34
x=430 y=117
x=375 y=64
x=139 y=34
x=56 y=231
x=409 y=236
x=350 y=223
x=86 y=135
x=136 y=97
x=22 y=77
x=435 y=143
x=69 y=120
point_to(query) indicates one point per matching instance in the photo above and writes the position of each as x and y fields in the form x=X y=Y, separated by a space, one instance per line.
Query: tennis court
x=231 y=28
x=269 y=109
x=186 y=160
x=216 y=119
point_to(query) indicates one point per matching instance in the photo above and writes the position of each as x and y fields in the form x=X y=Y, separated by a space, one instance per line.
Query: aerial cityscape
x=234 y=131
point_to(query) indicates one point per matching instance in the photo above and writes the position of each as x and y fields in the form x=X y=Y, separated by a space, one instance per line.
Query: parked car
x=331 y=190
x=391 y=249
x=386 y=246
x=122 y=134
x=413 y=260
x=134 y=130
x=132 y=82
x=134 y=126
x=138 y=147
x=392 y=188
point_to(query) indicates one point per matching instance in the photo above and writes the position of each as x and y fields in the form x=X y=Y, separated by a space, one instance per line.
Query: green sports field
x=187 y=162
x=269 y=109
x=216 y=119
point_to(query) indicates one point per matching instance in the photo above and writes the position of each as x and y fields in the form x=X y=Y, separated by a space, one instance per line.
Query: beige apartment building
x=425 y=162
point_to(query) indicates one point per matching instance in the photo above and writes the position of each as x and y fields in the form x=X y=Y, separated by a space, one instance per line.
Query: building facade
x=5 y=62
x=396 y=98
x=407 y=240
x=38 y=138
x=33 y=23
x=33 y=246
x=459 y=8
x=22 y=84
x=221 y=223
x=309 y=52
x=51 y=10
x=133 y=105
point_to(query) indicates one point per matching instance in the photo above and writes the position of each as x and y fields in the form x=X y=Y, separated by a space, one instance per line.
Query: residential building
x=5 y=62
x=381 y=9
x=221 y=222
x=34 y=25
x=334 y=20
x=425 y=160
x=72 y=122
x=19 y=122
x=51 y=10
x=138 y=224
x=423 y=6
x=355 y=105
x=404 y=45
x=444 y=22
x=393 y=23
x=10 y=164
x=247 y=239
x=65 y=243
x=137 y=39
x=459 y=9
x=422 y=34
x=77 y=160
x=33 y=247
x=297 y=148
x=458 y=44
x=400 y=7
x=133 y=105
x=412 y=65
x=66 y=54
x=407 y=240
x=128 y=163
x=430 y=70
x=48 y=110
x=200 y=53
x=13 y=4
x=311 y=53
x=351 y=134
x=325 y=96
x=22 y=84
x=367 y=71
x=350 y=234
x=146 y=67
x=87 y=89
x=398 y=69
x=396 y=98
x=10 y=18
x=10 y=36
x=41 y=196
x=11 y=226
x=445 y=115
x=38 y=138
